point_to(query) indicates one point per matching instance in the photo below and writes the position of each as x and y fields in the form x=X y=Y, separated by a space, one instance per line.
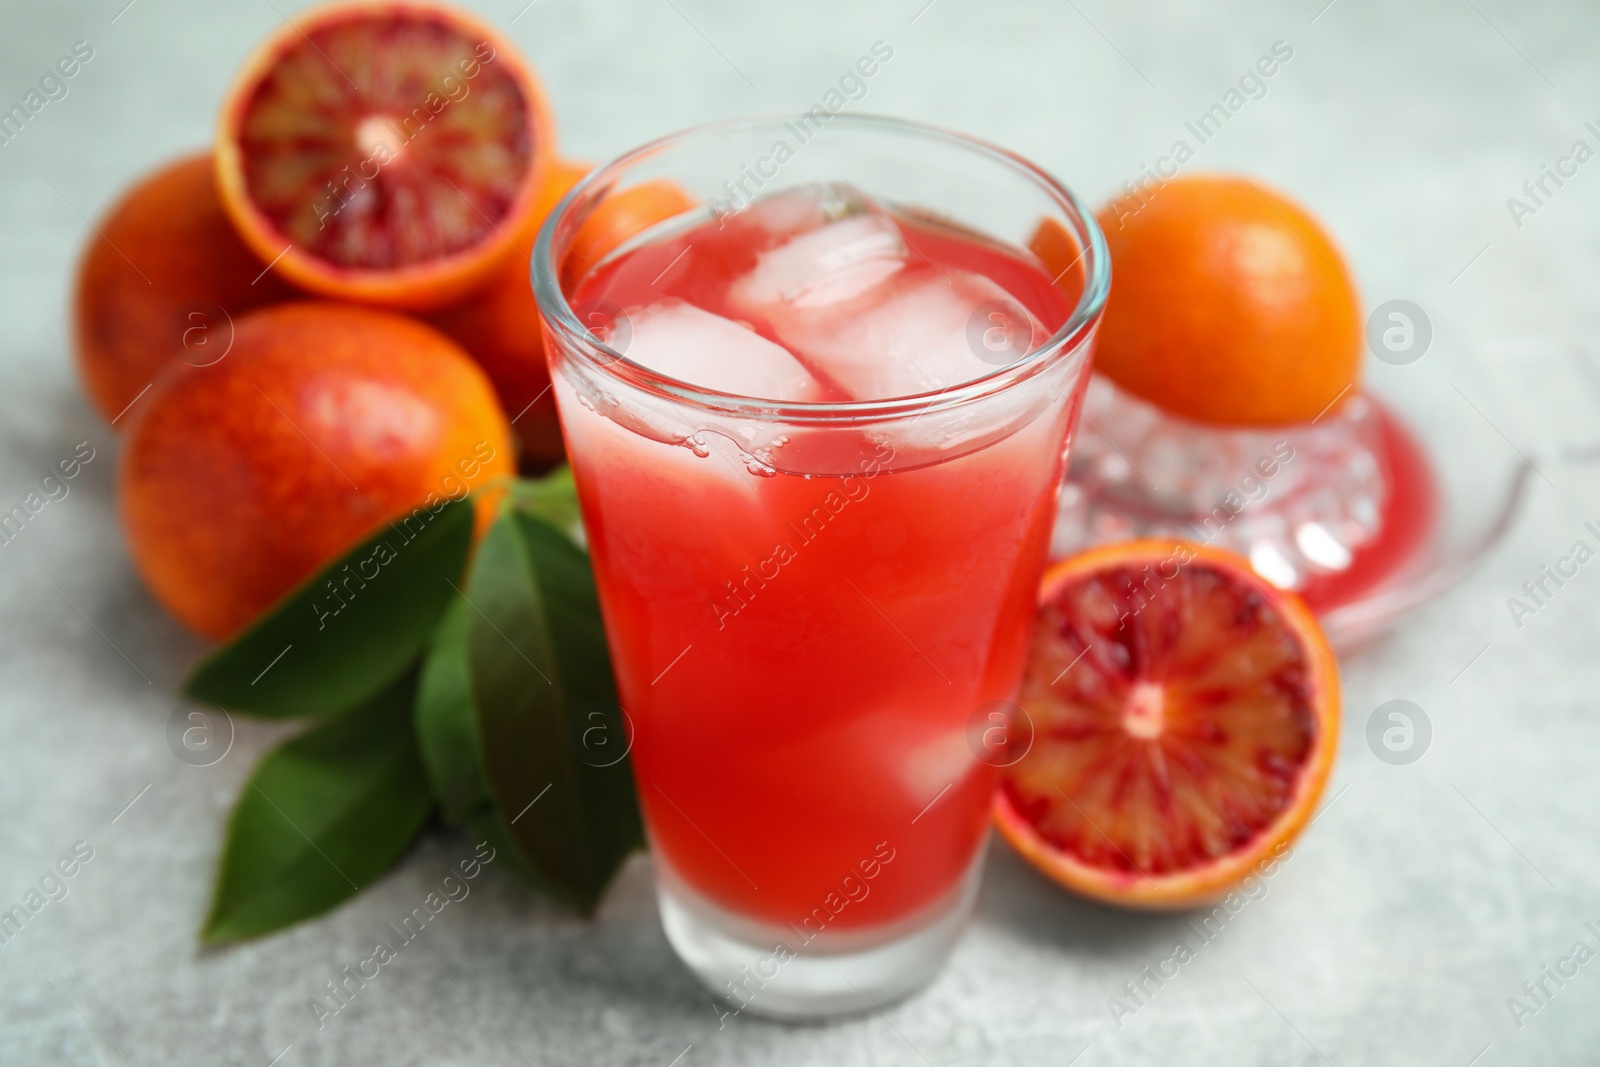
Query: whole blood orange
x=618 y=217
x=323 y=421
x=499 y=325
x=387 y=152
x=1229 y=304
x=160 y=278
x=1184 y=716
x=1062 y=255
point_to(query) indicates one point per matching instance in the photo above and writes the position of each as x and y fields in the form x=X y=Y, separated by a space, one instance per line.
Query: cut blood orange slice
x=391 y=153
x=1184 y=715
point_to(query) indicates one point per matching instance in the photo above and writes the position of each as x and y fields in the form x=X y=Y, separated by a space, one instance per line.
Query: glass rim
x=557 y=312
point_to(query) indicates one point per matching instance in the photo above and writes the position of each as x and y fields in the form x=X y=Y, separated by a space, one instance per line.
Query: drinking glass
x=819 y=612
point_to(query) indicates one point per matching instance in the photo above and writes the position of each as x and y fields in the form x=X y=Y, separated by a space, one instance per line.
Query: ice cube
x=799 y=209
x=921 y=332
x=784 y=214
x=828 y=265
x=697 y=347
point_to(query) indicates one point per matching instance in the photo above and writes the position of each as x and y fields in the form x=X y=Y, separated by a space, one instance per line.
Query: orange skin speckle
x=1230 y=304
x=323 y=421
x=164 y=250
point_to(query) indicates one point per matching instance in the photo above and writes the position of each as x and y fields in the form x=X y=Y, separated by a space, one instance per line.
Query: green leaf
x=552 y=734
x=348 y=631
x=486 y=824
x=447 y=723
x=320 y=818
x=553 y=498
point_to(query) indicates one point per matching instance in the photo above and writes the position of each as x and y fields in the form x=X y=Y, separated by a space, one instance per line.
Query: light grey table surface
x=1422 y=899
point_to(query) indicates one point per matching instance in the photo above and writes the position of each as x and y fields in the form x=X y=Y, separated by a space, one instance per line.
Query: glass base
x=785 y=972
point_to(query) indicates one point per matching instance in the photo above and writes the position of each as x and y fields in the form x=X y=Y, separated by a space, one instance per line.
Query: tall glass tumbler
x=818 y=610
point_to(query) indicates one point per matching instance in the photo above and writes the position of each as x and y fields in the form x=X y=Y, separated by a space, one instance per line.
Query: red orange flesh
x=1184 y=719
x=391 y=153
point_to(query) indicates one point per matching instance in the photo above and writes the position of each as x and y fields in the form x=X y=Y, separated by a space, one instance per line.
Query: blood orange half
x=391 y=153
x=1185 y=715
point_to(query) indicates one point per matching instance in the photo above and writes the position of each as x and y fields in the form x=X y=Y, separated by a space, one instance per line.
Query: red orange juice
x=818 y=439
x=800 y=655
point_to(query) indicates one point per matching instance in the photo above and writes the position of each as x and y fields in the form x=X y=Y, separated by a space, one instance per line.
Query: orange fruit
x=618 y=217
x=499 y=326
x=1183 y=714
x=1062 y=255
x=160 y=277
x=558 y=182
x=386 y=152
x=1229 y=304
x=240 y=479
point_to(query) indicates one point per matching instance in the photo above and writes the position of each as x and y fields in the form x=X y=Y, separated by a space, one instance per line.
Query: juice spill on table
x=801 y=654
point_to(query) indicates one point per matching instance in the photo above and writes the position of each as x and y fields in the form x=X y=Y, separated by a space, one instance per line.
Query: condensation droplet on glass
x=757 y=465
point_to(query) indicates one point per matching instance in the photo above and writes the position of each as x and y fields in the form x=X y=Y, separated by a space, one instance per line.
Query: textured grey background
x=1421 y=900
